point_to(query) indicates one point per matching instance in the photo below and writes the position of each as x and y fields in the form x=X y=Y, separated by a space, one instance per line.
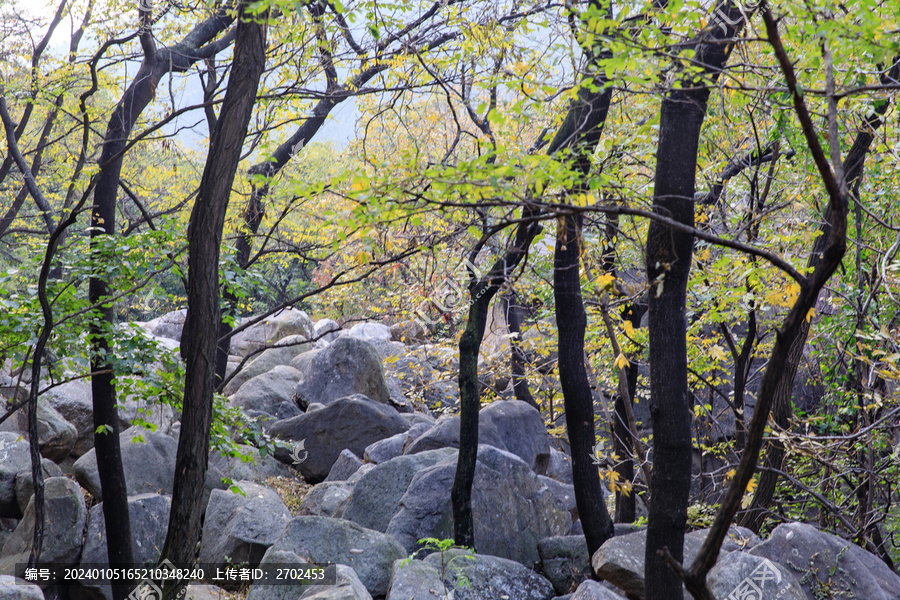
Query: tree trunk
x=517 y=359
x=201 y=323
x=571 y=323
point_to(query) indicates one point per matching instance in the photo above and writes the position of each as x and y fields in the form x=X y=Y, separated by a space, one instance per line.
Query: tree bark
x=201 y=323
x=517 y=359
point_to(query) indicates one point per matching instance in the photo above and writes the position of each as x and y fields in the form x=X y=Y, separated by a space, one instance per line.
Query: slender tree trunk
x=202 y=320
x=517 y=359
x=571 y=323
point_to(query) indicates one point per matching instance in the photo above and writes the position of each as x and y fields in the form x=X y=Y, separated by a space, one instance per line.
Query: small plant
x=432 y=545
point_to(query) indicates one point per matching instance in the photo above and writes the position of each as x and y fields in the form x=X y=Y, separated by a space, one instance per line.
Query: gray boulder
x=324 y=540
x=409 y=332
x=326 y=330
x=147 y=464
x=620 y=561
x=347 y=366
x=376 y=497
x=56 y=436
x=12 y=588
x=593 y=590
x=392 y=447
x=286 y=350
x=149 y=514
x=276 y=327
x=345 y=424
x=285 y=591
x=202 y=591
x=25 y=483
x=14 y=458
x=414 y=418
x=64 y=519
x=371 y=331
x=347 y=587
x=169 y=325
x=269 y=394
x=522 y=429
x=511 y=508
x=258 y=469
x=445 y=434
x=242 y=526
x=346 y=465
x=411 y=373
x=738 y=538
x=74 y=401
x=326 y=499
x=416 y=580
x=564 y=493
x=830 y=564
x=565 y=561
x=560 y=466
x=489 y=577
x=737 y=574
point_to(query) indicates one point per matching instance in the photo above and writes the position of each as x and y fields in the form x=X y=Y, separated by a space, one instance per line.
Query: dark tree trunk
x=571 y=323
x=668 y=266
x=517 y=360
x=201 y=323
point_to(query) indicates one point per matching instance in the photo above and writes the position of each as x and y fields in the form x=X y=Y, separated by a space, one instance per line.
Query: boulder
x=522 y=429
x=15 y=457
x=830 y=564
x=511 y=508
x=376 y=497
x=564 y=493
x=330 y=498
x=276 y=327
x=445 y=434
x=488 y=577
x=738 y=538
x=347 y=587
x=242 y=526
x=409 y=332
x=25 y=483
x=414 y=418
x=347 y=366
x=412 y=373
x=742 y=575
x=149 y=514
x=147 y=458
x=565 y=561
x=202 y=591
x=388 y=448
x=169 y=325
x=326 y=330
x=371 y=331
x=620 y=561
x=74 y=401
x=345 y=424
x=56 y=436
x=593 y=590
x=64 y=519
x=12 y=588
x=285 y=591
x=269 y=394
x=258 y=469
x=287 y=349
x=416 y=580
x=324 y=540
x=560 y=466
x=346 y=465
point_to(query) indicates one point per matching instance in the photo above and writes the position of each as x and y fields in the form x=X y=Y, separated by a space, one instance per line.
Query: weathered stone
x=489 y=577
x=270 y=394
x=25 y=482
x=522 y=429
x=257 y=470
x=376 y=497
x=74 y=401
x=242 y=526
x=565 y=494
x=738 y=538
x=593 y=590
x=169 y=325
x=445 y=434
x=324 y=540
x=15 y=457
x=829 y=564
x=565 y=561
x=56 y=436
x=347 y=587
x=326 y=499
x=286 y=350
x=326 y=330
x=12 y=588
x=346 y=465
x=347 y=366
x=371 y=331
x=416 y=580
x=738 y=573
x=560 y=466
x=409 y=332
x=345 y=424
x=511 y=508
x=276 y=327
x=64 y=518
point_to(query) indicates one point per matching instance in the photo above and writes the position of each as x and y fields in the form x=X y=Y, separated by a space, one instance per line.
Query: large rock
x=147 y=464
x=64 y=518
x=14 y=458
x=445 y=434
x=592 y=590
x=345 y=424
x=742 y=575
x=242 y=526
x=18 y=589
x=376 y=497
x=74 y=401
x=560 y=466
x=565 y=561
x=324 y=540
x=270 y=394
x=25 y=482
x=344 y=467
x=347 y=366
x=56 y=436
x=488 y=577
x=522 y=430
x=416 y=580
x=287 y=350
x=258 y=469
x=830 y=564
x=392 y=447
x=287 y=322
x=620 y=561
x=149 y=514
x=169 y=325
x=738 y=538
x=330 y=498
x=326 y=330
x=371 y=331
x=347 y=587
x=511 y=508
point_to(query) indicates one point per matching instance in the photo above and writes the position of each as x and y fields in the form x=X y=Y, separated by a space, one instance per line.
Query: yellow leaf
x=605 y=280
x=629 y=329
x=810 y=314
x=621 y=361
x=717 y=352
